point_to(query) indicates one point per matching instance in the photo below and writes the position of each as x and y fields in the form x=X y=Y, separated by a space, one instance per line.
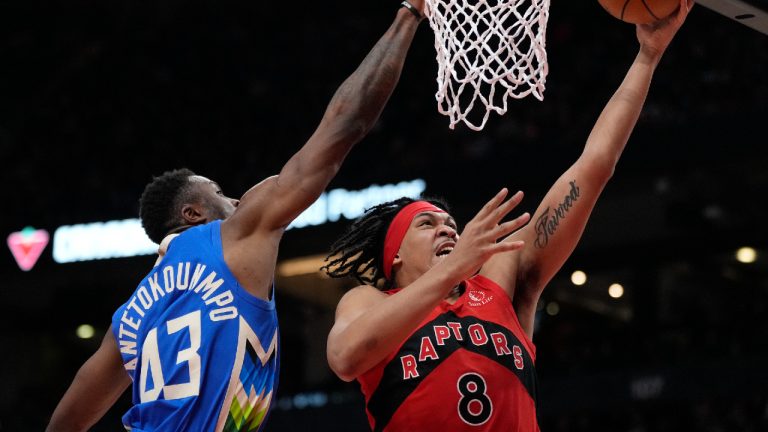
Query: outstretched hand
x=654 y=38
x=480 y=239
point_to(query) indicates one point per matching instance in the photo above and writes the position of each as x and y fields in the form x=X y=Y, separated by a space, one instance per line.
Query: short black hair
x=160 y=201
x=359 y=252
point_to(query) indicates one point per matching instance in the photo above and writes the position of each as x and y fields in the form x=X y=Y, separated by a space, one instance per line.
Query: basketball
x=640 y=11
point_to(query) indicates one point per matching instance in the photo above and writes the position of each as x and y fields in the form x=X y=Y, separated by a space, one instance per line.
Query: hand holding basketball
x=655 y=37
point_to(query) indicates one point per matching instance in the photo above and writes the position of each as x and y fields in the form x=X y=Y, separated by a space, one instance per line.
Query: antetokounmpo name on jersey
x=164 y=281
x=425 y=350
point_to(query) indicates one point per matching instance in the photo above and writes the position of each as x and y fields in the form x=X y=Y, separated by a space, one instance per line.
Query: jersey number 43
x=152 y=366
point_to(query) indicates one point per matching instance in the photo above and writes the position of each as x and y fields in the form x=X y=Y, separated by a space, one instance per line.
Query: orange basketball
x=640 y=11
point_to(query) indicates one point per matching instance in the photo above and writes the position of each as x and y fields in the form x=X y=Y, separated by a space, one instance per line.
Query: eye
x=424 y=222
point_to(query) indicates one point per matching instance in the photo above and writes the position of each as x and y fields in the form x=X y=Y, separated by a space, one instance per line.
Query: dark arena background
x=96 y=97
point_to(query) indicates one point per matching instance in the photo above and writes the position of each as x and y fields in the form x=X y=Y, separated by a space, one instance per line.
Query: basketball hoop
x=487 y=50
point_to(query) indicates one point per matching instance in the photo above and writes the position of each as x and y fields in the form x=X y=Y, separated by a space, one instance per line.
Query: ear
x=193 y=214
x=396 y=262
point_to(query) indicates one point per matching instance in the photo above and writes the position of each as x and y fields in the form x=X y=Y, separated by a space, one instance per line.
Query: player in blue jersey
x=198 y=339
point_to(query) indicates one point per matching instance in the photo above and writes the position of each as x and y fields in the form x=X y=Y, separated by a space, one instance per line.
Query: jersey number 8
x=475 y=407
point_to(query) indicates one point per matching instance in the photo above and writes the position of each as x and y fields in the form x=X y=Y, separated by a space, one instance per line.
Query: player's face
x=216 y=204
x=430 y=238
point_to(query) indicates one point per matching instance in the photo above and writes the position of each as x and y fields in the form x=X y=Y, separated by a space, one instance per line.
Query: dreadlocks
x=358 y=253
x=159 y=201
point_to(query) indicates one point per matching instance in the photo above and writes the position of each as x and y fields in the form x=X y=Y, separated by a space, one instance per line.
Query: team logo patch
x=478 y=298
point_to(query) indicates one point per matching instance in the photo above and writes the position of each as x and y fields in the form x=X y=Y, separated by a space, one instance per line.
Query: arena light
x=85 y=331
x=578 y=277
x=746 y=255
x=553 y=308
x=126 y=238
x=616 y=290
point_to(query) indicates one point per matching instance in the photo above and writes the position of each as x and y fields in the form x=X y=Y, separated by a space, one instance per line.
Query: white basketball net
x=487 y=50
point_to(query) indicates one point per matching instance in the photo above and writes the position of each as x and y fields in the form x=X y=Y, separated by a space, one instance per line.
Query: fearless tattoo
x=546 y=225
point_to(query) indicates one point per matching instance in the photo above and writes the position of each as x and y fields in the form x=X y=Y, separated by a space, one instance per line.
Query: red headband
x=398 y=227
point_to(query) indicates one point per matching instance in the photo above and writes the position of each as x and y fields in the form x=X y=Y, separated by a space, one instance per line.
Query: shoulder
x=363 y=293
x=247 y=217
x=360 y=298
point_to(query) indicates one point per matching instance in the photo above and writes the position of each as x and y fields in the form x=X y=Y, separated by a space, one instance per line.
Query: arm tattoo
x=546 y=225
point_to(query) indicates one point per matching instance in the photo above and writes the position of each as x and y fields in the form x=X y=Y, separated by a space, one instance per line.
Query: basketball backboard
x=751 y=13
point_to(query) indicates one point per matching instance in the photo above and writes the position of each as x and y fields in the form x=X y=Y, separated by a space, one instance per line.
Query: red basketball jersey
x=468 y=367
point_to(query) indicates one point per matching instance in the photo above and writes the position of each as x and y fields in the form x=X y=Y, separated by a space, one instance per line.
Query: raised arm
x=352 y=112
x=251 y=235
x=370 y=324
x=98 y=384
x=560 y=219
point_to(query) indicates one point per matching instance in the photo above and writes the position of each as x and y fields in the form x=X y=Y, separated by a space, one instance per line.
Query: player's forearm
x=368 y=339
x=78 y=410
x=79 y=413
x=560 y=220
x=619 y=117
x=359 y=101
x=352 y=112
x=64 y=423
x=96 y=387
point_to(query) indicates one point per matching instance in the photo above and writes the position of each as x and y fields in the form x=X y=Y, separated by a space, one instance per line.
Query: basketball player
x=447 y=345
x=198 y=340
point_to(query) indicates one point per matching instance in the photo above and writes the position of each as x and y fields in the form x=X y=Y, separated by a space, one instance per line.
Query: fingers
x=683 y=9
x=493 y=204
x=480 y=238
x=507 y=246
x=509 y=227
x=507 y=207
x=495 y=209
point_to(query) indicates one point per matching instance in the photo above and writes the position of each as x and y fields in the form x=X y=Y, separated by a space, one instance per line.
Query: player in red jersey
x=446 y=345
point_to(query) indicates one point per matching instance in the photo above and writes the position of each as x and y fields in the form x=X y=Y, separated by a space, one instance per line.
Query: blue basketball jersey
x=202 y=352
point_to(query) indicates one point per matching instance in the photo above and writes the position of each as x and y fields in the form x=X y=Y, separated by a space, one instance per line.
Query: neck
x=178 y=229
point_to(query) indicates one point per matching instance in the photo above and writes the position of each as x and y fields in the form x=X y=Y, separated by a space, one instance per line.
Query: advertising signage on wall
x=126 y=238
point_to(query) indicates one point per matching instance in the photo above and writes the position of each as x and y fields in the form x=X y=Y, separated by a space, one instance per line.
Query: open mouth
x=444 y=250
